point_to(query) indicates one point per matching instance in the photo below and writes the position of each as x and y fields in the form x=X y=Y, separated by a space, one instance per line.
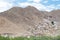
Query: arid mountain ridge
x=29 y=21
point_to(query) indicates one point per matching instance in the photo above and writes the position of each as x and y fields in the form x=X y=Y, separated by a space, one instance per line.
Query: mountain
x=29 y=21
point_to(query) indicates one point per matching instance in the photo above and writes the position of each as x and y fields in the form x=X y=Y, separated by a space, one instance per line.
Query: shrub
x=52 y=23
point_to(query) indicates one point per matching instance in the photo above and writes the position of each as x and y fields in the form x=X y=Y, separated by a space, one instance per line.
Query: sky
x=42 y=5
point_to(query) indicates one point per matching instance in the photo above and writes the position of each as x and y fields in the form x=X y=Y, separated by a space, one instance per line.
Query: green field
x=31 y=38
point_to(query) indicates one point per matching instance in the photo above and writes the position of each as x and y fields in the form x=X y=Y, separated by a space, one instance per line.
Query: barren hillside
x=29 y=21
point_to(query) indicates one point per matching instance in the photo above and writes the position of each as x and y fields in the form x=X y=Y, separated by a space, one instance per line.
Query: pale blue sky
x=43 y=5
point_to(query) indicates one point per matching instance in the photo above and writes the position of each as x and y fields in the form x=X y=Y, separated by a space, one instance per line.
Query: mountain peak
x=16 y=8
x=30 y=7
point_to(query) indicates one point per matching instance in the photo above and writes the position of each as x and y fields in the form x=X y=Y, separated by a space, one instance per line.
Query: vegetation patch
x=31 y=38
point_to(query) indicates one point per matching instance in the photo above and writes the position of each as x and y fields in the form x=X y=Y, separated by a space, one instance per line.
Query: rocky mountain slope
x=29 y=21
